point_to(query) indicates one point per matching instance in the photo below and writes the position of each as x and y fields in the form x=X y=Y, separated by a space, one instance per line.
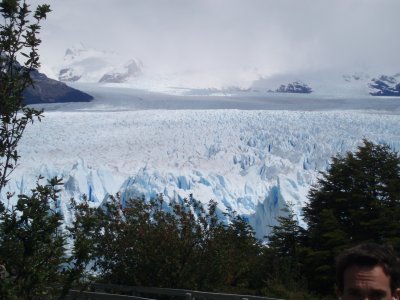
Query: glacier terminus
x=251 y=154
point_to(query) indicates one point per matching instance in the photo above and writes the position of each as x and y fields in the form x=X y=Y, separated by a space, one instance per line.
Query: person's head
x=368 y=271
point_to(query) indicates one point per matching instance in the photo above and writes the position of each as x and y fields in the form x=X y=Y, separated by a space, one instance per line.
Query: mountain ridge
x=47 y=90
x=83 y=64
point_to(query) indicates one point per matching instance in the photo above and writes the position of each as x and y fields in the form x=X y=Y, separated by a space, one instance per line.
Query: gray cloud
x=271 y=36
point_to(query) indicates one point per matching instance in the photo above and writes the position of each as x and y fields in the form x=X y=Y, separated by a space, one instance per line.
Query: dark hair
x=369 y=255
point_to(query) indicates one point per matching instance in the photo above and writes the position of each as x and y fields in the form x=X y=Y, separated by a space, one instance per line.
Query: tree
x=33 y=245
x=32 y=242
x=177 y=245
x=18 y=40
x=162 y=243
x=286 y=237
x=285 y=255
x=356 y=200
x=231 y=256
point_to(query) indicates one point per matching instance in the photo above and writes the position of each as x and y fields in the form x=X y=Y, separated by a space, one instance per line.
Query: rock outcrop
x=385 y=86
x=47 y=90
x=297 y=87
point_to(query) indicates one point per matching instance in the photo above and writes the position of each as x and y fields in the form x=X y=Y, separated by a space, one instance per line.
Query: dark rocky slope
x=47 y=90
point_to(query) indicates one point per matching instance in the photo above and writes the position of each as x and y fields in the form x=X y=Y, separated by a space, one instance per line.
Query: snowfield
x=252 y=157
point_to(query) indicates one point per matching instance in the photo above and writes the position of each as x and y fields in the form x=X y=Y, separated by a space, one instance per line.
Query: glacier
x=253 y=155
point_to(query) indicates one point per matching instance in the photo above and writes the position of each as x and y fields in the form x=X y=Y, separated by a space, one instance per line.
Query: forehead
x=366 y=278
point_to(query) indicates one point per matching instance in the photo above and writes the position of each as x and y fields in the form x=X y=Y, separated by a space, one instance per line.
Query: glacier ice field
x=253 y=160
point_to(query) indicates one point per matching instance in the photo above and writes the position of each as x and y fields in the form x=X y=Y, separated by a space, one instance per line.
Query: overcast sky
x=272 y=36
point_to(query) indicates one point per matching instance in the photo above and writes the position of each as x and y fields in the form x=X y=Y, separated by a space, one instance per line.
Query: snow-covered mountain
x=88 y=65
x=385 y=85
x=45 y=89
x=334 y=84
x=85 y=65
x=251 y=159
x=82 y=64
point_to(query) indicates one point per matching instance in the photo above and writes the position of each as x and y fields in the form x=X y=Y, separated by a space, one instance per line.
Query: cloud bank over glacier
x=229 y=37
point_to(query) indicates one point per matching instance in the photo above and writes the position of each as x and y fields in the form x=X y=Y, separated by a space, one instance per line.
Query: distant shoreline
x=123 y=98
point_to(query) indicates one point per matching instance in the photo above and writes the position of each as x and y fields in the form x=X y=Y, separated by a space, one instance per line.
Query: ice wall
x=251 y=161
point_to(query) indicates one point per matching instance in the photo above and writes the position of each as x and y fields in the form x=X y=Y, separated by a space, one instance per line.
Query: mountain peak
x=75 y=49
x=90 y=65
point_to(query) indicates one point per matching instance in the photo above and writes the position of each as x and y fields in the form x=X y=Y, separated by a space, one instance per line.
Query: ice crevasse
x=251 y=161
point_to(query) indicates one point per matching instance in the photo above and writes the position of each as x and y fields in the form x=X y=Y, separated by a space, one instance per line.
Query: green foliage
x=286 y=237
x=284 y=252
x=32 y=245
x=18 y=38
x=184 y=245
x=231 y=254
x=357 y=200
x=176 y=245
